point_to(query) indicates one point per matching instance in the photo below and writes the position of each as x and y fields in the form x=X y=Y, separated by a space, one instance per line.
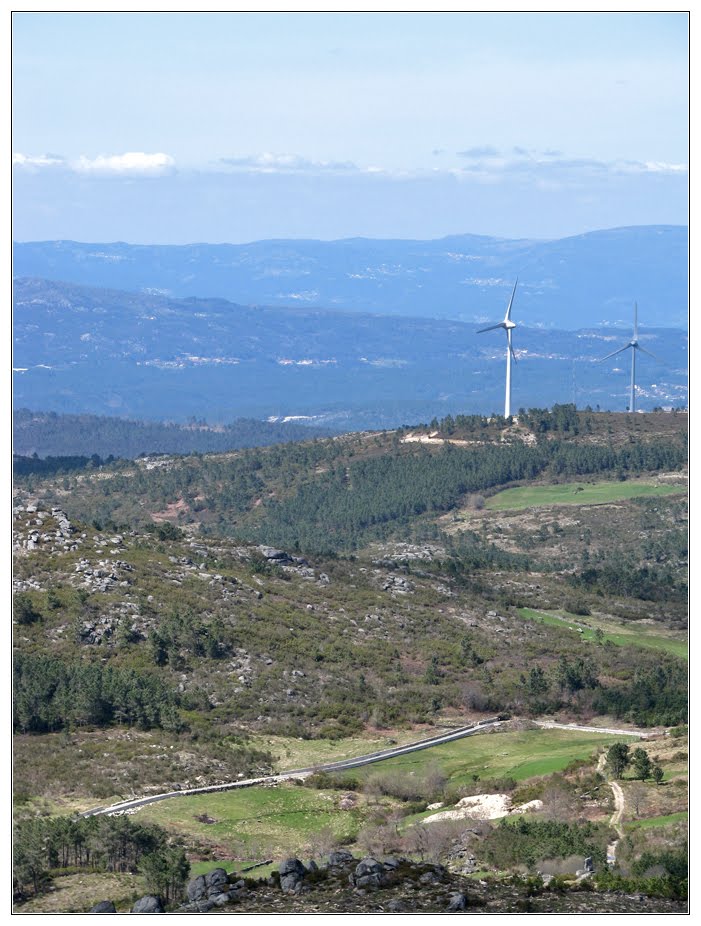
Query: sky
x=234 y=127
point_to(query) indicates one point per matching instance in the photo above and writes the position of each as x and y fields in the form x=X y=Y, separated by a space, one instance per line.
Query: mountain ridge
x=597 y=275
x=91 y=350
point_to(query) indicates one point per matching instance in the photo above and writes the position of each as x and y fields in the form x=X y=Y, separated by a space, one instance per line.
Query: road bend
x=124 y=806
x=481 y=726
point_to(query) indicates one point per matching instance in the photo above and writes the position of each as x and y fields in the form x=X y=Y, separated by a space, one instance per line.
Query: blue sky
x=175 y=128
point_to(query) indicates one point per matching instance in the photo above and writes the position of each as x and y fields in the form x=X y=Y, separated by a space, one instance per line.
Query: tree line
x=103 y=843
x=351 y=504
x=49 y=433
x=52 y=694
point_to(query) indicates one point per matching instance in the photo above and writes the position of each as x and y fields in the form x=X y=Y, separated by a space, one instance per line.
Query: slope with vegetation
x=177 y=618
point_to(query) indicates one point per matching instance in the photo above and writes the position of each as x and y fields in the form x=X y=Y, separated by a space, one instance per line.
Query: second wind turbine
x=634 y=346
x=508 y=327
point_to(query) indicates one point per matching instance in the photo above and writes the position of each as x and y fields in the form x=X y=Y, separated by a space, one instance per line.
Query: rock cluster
x=289 y=563
x=212 y=890
x=346 y=884
x=35 y=529
x=394 y=583
x=104 y=574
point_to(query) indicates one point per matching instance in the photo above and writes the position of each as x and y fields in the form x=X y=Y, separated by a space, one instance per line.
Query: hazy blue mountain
x=590 y=279
x=87 y=350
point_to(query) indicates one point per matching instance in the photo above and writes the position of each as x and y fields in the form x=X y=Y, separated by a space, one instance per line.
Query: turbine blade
x=507 y=317
x=635 y=323
x=608 y=356
x=511 y=347
x=491 y=328
x=649 y=353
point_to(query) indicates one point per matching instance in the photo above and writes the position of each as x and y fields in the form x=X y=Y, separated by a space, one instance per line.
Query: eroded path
x=616 y=821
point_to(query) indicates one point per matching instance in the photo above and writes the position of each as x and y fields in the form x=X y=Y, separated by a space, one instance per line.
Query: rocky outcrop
x=35 y=529
x=148 y=904
x=213 y=889
x=458 y=901
x=292 y=873
x=369 y=873
x=104 y=906
x=197 y=888
x=344 y=884
x=340 y=857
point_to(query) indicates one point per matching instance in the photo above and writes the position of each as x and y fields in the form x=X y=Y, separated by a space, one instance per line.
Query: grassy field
x=653 y=822
x=256 y=823
x=577 y=493
x=628 y=634
x=518 y=755
x=79 y=892
x=292 y=753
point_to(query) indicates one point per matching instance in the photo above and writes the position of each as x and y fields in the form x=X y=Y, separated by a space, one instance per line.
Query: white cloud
x=269 y=163
x=550 y=167
x=661 y=167
x=39 y=160
x=131 y=162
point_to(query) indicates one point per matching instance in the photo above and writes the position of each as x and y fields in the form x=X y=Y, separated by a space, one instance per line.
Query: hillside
x=185 y=595
x=47 y=434
x=183 y=621
x=585 y=280
x=88 y=350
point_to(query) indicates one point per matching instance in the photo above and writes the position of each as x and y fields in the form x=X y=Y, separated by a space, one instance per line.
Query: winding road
x=479 y=727
x=345 y=764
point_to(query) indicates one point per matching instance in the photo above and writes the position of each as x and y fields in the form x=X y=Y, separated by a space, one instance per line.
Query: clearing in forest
x=622 y=633
x=577 y=493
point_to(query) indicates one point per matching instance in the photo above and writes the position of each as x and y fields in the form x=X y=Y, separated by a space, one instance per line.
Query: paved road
x=342 y=765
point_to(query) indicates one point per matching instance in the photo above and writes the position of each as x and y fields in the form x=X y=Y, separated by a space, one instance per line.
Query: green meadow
x=653 y=822
x=577 y=493
x=628 y=634
x=253 y=824
x=291 y=752
x=519 y=755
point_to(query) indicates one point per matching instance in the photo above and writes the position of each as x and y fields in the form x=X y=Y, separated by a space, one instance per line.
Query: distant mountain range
x=586 y=280
x=89 y=350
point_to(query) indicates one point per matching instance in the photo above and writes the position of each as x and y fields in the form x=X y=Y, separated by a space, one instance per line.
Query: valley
x=184 y=622
x=350 y=499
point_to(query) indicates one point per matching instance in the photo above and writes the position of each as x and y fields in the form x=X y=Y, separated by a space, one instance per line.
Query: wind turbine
x=508 y=327
x=633 y=344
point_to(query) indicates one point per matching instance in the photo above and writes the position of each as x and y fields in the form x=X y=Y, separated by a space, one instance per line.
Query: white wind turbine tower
x=508 y=327
x=633 y=344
